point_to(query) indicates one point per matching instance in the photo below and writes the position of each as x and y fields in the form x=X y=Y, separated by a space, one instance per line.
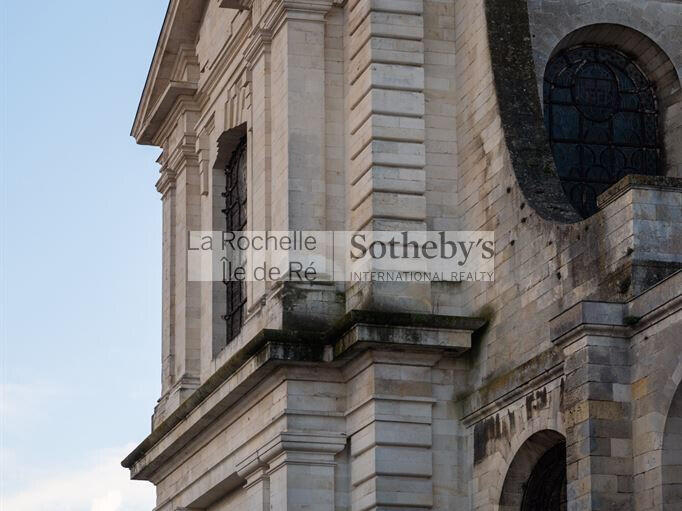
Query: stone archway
x=536 y=479
x=671 y=470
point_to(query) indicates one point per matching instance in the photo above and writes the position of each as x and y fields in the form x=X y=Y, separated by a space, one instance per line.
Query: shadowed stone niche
x=536 y=480
x=672 y=456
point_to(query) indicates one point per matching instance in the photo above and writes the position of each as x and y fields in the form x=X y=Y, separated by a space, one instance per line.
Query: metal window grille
x=601 y=115
x=235 y=220
x=545 y=489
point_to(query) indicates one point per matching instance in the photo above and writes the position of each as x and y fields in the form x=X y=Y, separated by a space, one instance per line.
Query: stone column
x=597 y=404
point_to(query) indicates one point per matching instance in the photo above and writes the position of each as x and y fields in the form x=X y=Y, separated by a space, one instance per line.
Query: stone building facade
x=557 y=386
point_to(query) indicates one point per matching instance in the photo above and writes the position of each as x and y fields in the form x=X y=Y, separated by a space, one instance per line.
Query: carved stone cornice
x=259 y=43
x=318 y=448
x=166 y=181
x=589 y=318
x=174 y=94
x=241 y=5
x=184 y=105
x=184 y=153
x=306 y=10
x=186 y=66
x=181 y=23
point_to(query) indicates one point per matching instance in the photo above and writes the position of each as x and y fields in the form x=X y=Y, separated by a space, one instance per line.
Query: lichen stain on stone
x=536 y=401
x=488 y=431
x=562 y=390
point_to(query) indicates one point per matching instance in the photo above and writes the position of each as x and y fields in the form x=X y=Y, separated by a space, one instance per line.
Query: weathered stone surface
x=413 y=115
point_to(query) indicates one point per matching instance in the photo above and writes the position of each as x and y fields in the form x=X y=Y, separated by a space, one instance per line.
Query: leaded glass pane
x=602 y=119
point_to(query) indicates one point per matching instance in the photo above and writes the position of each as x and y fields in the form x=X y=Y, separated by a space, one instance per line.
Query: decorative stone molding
x=272 y=347
x=186 y=67
x=305 y=10
x=316 y=448
x=259 y=42
x=238 y=103
x=166 y=180
x=364 y=329
x=236 y=4
x=522 y=120
x=589 y=318
x=526 y=388
x=638 y=182
x=203 y=153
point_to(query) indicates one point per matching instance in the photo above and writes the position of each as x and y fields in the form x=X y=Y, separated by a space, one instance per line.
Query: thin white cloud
x=99 y=485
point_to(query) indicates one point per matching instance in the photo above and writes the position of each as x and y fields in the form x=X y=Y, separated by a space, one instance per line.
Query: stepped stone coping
x=271 y=348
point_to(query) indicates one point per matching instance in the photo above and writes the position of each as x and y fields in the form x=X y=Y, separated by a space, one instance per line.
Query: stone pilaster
x=166 y=187
x=213 y=296
x=298 y=121
x=293 y=472
x=597 y=405
x=298 y=114
x=258 y=490
x=390 y=427
x=180 y=188
x=258 y=58
x=386 y=175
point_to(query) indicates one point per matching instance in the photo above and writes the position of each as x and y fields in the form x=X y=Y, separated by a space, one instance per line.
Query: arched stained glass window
x=235 y=221
x=602 y=118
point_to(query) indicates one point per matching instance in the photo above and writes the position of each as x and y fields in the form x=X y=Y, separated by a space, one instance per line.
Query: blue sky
x=81 y=254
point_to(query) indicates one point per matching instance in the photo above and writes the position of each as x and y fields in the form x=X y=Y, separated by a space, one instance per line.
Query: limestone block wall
x=612 y=395
x=542 y=266
x=384 y=114
x=379 y=431
x=509 y=430
x=385 y=109
x=621 y=433
x=655 y=396
x=359 y=115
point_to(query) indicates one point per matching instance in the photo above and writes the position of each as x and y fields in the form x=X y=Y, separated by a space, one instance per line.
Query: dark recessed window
x=235 y=220
x=545 y=489
x=602 y=118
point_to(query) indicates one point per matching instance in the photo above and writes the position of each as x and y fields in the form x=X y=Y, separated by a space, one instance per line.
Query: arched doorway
x=536 y=479
x=672 y=456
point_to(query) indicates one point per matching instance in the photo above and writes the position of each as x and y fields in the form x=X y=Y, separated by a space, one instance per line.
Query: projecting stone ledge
x=356 y=332
x=360 y=330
